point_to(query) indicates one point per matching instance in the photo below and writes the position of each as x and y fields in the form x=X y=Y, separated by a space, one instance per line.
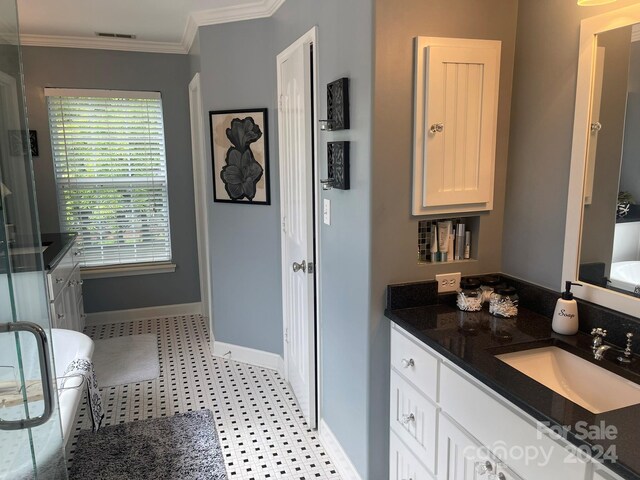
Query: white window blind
x=110 y=167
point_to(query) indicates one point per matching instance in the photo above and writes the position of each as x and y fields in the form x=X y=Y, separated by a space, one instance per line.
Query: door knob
x=300 y=266
x=436 y=128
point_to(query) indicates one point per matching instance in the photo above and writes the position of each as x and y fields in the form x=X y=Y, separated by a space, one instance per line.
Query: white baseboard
x=338 y=456
x=119 y=316
x=248 y=355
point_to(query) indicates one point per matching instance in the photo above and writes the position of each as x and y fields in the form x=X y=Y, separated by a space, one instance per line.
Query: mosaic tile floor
x=262 y=432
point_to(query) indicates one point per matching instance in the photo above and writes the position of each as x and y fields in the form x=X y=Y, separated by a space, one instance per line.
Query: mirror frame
x=589 y=29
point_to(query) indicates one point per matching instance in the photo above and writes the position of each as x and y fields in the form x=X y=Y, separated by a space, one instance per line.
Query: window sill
x=89 y=273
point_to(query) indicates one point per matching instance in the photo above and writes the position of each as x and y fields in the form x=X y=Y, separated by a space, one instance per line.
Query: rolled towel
x=84 y=367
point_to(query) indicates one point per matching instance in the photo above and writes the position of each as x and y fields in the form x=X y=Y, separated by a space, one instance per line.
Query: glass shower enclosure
x=31 y=443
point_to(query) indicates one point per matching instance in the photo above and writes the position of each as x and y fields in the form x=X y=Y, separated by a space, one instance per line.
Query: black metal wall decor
x=338 y=104
x=338 y=164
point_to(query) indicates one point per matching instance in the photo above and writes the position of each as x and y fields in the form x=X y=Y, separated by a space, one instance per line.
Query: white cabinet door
x=403 y=465
x=58 y=312
x=456 y=111
x=459 y=455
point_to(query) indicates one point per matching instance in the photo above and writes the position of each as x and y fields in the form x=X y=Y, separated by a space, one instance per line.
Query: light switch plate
x=326 y=211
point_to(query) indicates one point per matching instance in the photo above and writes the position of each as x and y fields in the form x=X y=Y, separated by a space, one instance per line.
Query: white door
x=295 y=127
x=201 y=195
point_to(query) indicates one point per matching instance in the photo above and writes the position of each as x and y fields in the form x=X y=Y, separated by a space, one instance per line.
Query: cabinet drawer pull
x=408 y=363
x=59 y=280
x=408 y=418
x=60 y=315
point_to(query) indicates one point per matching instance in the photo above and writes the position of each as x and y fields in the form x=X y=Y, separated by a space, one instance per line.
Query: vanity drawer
x=403 y=464
x=506 y=431
x=57 y=278
x=414 y=419
x=414 y=363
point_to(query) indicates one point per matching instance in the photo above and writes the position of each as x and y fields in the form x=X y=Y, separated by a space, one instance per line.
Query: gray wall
x=169 y=74
x=599 y=217
x=543 y=103
x=394 y=255
x=245 y=241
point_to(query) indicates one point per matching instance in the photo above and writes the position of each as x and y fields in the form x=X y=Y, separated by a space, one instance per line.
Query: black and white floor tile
x=262 y=432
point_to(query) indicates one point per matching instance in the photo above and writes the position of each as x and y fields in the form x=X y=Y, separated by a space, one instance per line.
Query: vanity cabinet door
x=403 y=464
x=459 y=454
x=58 y=312
x=456 y=111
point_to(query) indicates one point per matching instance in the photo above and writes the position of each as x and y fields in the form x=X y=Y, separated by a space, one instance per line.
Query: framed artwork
x=240 y=156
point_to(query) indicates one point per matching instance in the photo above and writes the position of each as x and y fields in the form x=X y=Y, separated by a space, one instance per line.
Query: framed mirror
x=602 y=239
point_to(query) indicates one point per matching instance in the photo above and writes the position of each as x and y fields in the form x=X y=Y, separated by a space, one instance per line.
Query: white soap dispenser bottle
x=565 y=317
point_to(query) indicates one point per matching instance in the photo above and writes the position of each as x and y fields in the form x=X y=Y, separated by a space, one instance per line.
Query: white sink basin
x=592 y=387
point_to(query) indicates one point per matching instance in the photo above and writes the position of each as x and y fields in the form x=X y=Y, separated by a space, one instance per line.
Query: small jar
x=504 y=303
x=488 y=285
x=469 y=295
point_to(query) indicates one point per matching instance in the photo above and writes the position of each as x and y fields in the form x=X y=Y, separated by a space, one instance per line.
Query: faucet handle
x=599 y=332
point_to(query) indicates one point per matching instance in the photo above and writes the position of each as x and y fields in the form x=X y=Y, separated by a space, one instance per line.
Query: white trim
x=248 y=355
x=202 y=195
x=119 y=316
x=214 y=16
x=337 y=454
x=91 y=93
x=101 y=43
x=89 y=273
x=589 y=28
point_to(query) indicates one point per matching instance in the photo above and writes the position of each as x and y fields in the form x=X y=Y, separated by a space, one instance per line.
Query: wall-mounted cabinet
x=456 y=111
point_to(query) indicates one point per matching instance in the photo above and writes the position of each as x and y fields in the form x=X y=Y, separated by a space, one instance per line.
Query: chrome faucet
x=596 y=345
x=598 y=352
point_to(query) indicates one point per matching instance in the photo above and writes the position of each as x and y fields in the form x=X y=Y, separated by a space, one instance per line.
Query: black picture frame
x=240 y=137
x=338 y=164
x=33 y=142
x=338 y=104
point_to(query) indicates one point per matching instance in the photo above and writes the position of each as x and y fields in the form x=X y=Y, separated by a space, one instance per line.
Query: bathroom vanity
x=64 y=284
x=459 y=410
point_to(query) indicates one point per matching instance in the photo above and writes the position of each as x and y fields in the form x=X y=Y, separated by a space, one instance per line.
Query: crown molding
x=214 y=16
x=99 y=43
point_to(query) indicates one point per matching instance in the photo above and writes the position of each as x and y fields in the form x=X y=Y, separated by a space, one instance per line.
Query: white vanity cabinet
x=446 y=425
x=64 y=286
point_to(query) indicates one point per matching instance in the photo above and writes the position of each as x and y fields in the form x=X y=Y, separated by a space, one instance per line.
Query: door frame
x=310 y=37
x=201 y=196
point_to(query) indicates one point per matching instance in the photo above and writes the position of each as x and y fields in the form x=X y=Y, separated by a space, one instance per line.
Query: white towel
x=84 y=367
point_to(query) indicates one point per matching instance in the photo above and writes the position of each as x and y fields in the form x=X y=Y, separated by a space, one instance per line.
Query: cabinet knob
x=499 y=476
x=484 y=467
x=59 y=280
x=408 y=418
x=60 y=315
x=436 y=128
x=408 y=363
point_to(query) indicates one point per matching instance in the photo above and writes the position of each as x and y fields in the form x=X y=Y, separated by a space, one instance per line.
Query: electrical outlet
x=326 y=211
x=448 y=282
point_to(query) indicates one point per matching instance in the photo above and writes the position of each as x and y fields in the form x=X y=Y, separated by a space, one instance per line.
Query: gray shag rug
x=184 y=447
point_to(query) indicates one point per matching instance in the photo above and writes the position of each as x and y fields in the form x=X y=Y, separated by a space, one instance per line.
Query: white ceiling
x=157 y=24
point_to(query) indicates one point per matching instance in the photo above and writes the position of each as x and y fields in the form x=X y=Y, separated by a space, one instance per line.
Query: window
x=110 y=169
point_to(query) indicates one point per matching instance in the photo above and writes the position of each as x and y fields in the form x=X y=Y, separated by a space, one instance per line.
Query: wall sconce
x=337 y=166
x=337 y=106
x=593 y=3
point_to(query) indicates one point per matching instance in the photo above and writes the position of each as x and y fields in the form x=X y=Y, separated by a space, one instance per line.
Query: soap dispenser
x=565 y=316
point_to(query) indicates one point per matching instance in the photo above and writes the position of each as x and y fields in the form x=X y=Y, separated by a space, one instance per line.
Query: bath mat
x=184 y=447
x=128 y=359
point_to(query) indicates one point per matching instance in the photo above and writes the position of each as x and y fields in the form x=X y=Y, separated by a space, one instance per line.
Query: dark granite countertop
x=24 y=260
x=473 y=349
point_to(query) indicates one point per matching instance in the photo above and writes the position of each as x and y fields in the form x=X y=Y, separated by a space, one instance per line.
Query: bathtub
x=67 y=345
x=625 y=275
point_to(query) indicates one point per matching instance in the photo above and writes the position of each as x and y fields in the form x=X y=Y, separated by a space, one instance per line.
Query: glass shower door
x=31 y=444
